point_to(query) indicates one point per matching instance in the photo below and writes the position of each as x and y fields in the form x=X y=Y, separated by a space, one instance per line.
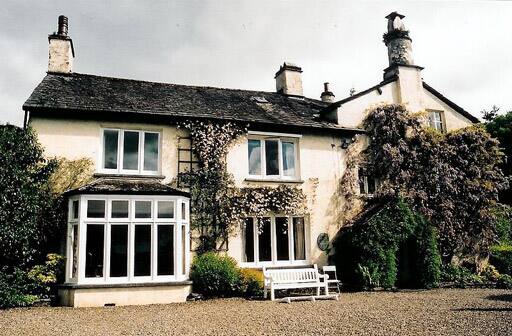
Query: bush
x=460 y=276
x=251 y=282
x=389 y=245
x=215 y=275
x=44 y=277
x=490 y=273
x=501 y=258
x=504 y=282
x=14 y=286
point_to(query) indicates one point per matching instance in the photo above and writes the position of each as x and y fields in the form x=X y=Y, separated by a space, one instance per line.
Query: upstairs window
x=436 y=120
x=367 y=183
x=274 y=158
x=130 y=152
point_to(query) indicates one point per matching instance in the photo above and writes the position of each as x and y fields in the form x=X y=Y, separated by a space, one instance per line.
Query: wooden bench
x=291 y=278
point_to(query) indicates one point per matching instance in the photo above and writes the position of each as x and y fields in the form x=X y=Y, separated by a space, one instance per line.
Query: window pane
x=74 y=251
x=131 y=150
x=264 y=244
x=371 y=185
x=360 y=174
x=282 y=238
x=248 y=239
x=254 y=157
x=151 y=151
x=288 y=158
x=183 y=211
x=96 y=209
x=142 y=209
x=75 y=209
x=165 y=250
x=119 y=251
x=165 y=209
x=119 y=209
x=271 y=157
x=94 y=251
x=183 y=250
x=299 y=240
x=110 y=142
x=142 y=258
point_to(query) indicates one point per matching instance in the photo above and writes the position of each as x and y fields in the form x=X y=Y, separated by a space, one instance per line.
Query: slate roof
x=89 y=93
x=126 y=186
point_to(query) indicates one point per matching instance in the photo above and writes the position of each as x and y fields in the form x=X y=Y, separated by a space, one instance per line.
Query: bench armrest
x=325 y=276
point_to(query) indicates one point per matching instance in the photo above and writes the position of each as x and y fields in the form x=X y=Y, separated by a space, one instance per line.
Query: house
x=128 y=239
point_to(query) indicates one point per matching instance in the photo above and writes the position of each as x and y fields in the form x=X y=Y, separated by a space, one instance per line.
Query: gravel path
x=436 y=312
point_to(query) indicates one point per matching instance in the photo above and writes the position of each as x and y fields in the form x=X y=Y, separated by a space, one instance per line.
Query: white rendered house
x=128 y=239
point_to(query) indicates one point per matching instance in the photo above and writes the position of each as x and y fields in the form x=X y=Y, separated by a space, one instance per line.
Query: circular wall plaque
x=323 y=241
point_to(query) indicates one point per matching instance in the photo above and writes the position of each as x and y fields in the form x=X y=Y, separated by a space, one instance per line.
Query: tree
x=24 y=194
x=452 y=179
x=500 y=127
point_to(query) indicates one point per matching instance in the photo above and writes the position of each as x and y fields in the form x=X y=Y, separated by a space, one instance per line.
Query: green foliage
x=368 y=250
x=460 y=276
x=44 y=277
x=24 y=195
x=452 y=179
x=503 y=214
x=500 y=127
x=501 y=258
x=504 y=282
x=251 y=282
x=215 y=275
x=14 y=286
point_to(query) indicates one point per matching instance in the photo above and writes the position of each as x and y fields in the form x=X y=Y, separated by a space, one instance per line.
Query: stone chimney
x=401 y=63
x=327 y=96
x=61 y=52
x=289 y=80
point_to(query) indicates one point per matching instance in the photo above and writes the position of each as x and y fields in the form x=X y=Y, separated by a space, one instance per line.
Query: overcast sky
x=465 y=46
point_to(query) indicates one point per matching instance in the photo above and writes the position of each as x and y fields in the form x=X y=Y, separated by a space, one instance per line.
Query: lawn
x=435 y=312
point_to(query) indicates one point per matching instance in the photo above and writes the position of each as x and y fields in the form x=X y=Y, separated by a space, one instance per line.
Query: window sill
x=267 y=180
x=124 y=285
x=158 y=177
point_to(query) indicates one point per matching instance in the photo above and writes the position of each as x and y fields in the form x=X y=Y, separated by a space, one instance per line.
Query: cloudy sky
x=465 y=46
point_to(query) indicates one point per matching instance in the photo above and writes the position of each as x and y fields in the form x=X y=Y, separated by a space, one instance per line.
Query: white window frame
x=273 y=244
x=437 y=124
x=280 y=138
x=120 y=153
x=82 y=221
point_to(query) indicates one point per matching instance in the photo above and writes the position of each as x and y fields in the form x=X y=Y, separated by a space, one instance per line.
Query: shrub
x=504 y=281
x=389 y=242
x=251 y=282
x=14 y=286
x=460 y=276
x=215 y=275
x=44 y=277
x=490 y=273
x=501 y=258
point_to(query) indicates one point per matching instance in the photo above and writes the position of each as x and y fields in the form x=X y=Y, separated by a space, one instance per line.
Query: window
x=131 y=152
x=128 y=239
x=272 y=158
x=367 y=183
x=274 y=240
x=436 y=120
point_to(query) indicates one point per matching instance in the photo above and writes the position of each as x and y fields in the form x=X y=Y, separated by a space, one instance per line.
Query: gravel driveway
x=435 y=312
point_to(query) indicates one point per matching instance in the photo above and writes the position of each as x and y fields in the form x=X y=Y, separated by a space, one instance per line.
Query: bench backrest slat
x=296 y=275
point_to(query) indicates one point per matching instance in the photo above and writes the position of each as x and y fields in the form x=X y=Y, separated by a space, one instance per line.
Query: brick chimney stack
x=61 y=51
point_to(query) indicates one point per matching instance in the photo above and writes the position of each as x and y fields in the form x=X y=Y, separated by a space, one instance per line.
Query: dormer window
x=272 y=157
x=130 y=152
x=436 y=120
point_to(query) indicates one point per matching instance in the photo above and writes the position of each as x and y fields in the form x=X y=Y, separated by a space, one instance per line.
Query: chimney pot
x=327 y=96
x=63 y=26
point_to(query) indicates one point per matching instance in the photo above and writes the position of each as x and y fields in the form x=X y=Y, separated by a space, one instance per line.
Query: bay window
x=130 y=152
x=127 y=239
x=273 y=157
x=274 y=240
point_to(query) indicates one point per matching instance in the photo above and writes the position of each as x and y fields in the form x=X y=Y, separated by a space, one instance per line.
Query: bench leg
x=272 y=294
x=318 y=291
x=265 y=293
x=326 y=289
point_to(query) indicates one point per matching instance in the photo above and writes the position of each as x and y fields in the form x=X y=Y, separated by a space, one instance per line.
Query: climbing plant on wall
x=217 y=205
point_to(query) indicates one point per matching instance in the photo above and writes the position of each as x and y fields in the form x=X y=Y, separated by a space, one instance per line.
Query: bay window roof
x=124 y=186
